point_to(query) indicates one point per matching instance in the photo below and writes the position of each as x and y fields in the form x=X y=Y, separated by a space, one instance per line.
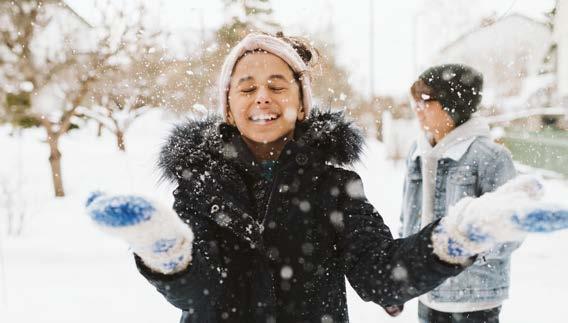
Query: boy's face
x=431 y=115
x=264 y=98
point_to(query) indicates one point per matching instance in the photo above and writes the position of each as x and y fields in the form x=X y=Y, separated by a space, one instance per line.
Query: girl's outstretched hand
x=155 y=233
x=476 y=225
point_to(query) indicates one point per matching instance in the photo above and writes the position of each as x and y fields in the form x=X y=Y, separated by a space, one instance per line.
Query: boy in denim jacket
x=453 y=158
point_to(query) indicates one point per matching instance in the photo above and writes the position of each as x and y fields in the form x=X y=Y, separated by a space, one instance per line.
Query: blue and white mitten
x=476 y=225
x=154 y=233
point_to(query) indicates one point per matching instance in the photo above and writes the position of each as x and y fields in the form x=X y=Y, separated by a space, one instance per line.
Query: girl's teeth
x=263 y=118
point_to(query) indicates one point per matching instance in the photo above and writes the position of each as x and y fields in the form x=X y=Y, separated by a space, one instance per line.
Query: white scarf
x=468 y=131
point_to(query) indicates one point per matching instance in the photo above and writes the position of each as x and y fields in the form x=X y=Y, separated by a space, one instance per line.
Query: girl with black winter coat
x=271 y=222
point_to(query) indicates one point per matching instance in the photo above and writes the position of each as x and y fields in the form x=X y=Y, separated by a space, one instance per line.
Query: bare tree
x=115 y=105
x=116 y=114
x=29 y=68
x=122 y=95
x=50 y=81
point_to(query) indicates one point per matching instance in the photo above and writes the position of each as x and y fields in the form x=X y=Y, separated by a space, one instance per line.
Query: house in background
x=561 y=40
x=511 y=53
x=525 y=66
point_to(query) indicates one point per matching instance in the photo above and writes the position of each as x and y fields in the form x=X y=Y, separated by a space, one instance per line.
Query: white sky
x=347 y=22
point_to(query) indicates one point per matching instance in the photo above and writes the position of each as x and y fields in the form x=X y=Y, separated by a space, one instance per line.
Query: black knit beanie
x=457 y=87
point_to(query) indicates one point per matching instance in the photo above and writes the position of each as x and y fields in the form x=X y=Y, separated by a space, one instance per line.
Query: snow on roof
x=515 y=17
x=507 y=52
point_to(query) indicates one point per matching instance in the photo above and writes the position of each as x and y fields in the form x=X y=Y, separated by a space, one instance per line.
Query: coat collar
x=325 y=135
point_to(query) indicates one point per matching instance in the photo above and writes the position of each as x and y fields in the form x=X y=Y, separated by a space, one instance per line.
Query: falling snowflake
x=305 y=206
x=399 y=273
x=286 y=272
x=336 y=218
x=355 y=189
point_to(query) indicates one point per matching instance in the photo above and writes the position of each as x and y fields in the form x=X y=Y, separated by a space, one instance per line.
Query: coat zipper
x=272 y=188
x=261 y=225
x=269 y=202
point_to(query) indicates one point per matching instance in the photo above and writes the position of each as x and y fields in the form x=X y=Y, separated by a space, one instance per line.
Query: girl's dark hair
x=302 y=46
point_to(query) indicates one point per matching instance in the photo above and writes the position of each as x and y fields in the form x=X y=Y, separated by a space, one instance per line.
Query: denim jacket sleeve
x=498 y=171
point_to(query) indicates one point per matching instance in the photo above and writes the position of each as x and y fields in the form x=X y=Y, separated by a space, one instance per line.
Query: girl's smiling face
x=264 y=98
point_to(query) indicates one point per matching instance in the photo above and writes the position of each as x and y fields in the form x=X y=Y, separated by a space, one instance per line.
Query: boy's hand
x=394 y=310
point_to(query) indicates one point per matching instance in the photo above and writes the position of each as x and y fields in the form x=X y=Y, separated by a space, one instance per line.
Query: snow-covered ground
x=61 y=269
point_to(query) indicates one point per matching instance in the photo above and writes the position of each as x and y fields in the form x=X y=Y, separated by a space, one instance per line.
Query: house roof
x=76 y=14
x=490 y=25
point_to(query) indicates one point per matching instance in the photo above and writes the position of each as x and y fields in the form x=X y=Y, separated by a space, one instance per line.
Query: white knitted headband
x=271 y=45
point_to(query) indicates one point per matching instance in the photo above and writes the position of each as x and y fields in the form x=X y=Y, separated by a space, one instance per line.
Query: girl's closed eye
x=248 y=90
x=277 y=89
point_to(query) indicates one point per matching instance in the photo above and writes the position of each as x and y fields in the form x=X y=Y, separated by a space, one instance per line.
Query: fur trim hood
x=326 y=135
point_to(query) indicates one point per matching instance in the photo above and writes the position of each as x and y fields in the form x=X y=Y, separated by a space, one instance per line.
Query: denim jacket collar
x=455 y=152
x=458 y=141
